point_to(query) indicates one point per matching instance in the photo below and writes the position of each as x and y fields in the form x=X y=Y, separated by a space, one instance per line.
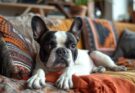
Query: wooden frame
x=25 y=8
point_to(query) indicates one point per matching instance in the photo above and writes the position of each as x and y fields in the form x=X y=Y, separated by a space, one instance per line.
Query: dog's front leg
x=65 y=80
x=38 y=78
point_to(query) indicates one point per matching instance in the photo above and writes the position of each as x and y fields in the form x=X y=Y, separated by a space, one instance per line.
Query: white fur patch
x=86 y=63
x=101 y=59
x=38 y=80
x=61 y=38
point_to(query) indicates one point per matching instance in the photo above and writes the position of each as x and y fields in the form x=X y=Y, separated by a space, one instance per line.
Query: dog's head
x=57 y=48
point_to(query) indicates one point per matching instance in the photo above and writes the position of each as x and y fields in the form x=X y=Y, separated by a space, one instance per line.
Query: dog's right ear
x=38 y=26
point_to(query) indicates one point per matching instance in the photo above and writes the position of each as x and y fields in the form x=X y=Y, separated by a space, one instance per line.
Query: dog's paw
x=99 y=69
x=64 y=82
x=37 y=81
x=119 y=68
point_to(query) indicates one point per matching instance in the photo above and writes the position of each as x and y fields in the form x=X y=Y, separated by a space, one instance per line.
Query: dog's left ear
x=76 y=27
x=38 y=26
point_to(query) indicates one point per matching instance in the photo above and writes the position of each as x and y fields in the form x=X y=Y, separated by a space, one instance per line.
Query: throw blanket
x=126 y=62
x=99 y=83
x=110 y=82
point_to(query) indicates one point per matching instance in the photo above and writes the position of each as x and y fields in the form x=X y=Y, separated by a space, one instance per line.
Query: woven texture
x=18 y=48
x=99 y=35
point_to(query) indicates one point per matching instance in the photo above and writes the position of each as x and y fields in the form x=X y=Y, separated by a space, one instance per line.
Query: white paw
x=65 y=81
x=99 y=69
x=37 y=81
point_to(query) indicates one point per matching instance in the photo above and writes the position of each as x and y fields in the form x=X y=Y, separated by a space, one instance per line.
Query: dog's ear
x=76 y=27
x=38 y=26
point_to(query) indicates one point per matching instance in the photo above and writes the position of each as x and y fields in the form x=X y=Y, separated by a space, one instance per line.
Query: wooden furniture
x=60 y=6
x=13 y=9
x=133 y=17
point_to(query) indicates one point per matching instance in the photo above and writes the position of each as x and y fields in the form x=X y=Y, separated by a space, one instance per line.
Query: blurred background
x=115 y=10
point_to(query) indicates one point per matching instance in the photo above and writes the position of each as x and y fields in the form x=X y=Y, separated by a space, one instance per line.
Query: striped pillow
x=17 y=58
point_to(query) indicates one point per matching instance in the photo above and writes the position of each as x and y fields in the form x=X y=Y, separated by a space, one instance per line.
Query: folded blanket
x=98 y=83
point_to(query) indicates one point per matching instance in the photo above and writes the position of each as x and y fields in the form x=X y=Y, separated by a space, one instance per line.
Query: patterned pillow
x=15 y=54
x=126 y=45
x=99 y=35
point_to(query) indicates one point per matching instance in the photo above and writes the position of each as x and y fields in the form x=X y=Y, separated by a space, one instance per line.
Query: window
x=134 y=5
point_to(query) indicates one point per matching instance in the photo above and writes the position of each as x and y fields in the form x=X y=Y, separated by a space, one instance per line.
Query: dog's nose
x=62 y=52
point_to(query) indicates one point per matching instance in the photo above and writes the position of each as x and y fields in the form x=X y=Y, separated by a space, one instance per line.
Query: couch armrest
x=120 y=27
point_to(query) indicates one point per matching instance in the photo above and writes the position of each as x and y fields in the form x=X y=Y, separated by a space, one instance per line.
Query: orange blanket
x=97 y=83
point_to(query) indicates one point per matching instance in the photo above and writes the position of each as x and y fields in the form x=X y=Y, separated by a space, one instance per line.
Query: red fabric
x=97 y=83
x=126 y=62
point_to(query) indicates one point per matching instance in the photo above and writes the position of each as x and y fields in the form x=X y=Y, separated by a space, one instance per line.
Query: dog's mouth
x=60 y=66
x=59 y=63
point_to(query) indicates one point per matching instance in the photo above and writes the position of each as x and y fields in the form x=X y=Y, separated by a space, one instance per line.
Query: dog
x=58 y=52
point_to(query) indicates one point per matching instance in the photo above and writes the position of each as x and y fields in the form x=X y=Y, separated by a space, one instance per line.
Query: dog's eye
x=73 y=45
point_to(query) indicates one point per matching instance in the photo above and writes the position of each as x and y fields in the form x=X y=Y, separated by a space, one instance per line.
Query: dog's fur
x=58 y=52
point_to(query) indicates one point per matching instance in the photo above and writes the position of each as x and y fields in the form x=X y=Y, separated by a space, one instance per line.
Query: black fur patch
x=70 y=42
x=47 y=43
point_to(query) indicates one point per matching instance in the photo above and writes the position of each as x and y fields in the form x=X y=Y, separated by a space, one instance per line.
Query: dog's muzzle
x=62 y=55
x=62 y=52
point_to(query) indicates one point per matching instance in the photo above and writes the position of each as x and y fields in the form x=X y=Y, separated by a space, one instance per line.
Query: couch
x=107 y=82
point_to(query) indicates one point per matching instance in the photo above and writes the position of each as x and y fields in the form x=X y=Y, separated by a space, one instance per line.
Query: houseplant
x=79 y=8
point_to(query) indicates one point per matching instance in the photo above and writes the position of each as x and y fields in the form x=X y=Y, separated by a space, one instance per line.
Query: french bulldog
x=58 y=52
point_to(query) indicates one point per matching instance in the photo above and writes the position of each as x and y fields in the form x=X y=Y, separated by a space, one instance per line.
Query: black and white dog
x=58 y=52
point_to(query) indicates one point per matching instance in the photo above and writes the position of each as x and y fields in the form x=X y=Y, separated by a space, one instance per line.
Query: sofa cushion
x=99 y=35
x=126 y=45
x=121 y=26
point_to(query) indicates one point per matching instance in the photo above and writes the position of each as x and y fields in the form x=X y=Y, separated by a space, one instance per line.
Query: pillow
x=126 y=45
x=15 y=52
x=99 y=35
